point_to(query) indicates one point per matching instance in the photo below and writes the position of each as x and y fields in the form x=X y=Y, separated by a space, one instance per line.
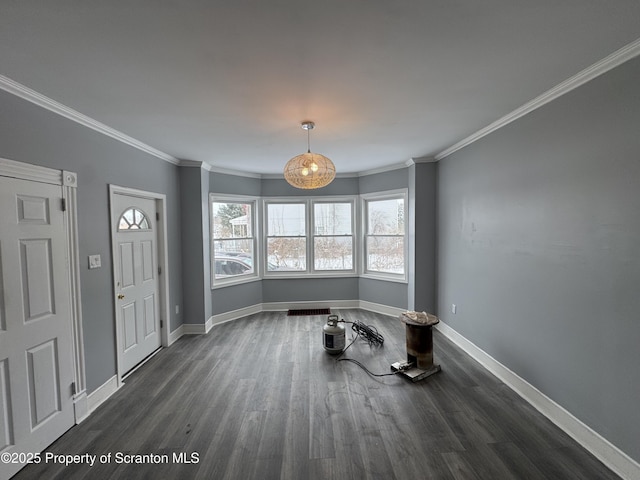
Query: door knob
x=120 y=296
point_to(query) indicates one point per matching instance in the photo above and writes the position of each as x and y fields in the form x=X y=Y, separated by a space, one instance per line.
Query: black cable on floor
x=372 y=336
x=368 y=332
x=366 y=369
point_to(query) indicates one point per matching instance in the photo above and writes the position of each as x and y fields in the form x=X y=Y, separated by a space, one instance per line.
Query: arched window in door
x=134 y=219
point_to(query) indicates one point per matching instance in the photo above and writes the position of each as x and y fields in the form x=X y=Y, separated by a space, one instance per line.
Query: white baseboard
x=284 y=306
x=220 y=318
x=194 y=328
x=81 y=407
x=601 y=448
x=176 y=335
x=234 y=315
x=381 y=309
x=102 y=393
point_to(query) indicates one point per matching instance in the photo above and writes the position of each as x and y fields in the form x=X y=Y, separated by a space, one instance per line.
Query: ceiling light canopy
x=309 y=170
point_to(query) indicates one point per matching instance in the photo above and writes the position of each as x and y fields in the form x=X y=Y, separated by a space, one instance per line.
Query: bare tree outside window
x=233 y=241
x=286 y=237
x=385 y=236
x=333 y=236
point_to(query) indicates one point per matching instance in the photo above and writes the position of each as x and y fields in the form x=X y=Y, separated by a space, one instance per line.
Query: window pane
x=233 y=244
x=237 y=247
x=333 y=253
x=385 y=254
x=286 y=254
x=232 y=220
x=286 y=219
x=133 y=219
x=332 y=218
x=231 y=266
x=385 y=217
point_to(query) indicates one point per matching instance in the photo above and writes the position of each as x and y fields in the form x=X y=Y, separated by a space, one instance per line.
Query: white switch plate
x=177 y=309
x=95 y=261
x=453 y=308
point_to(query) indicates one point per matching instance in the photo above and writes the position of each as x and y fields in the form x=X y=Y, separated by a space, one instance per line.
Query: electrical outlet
x=177 y=309
x=453 y=308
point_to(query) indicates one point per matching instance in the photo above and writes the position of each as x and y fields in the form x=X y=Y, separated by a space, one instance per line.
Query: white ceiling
x=228 y=82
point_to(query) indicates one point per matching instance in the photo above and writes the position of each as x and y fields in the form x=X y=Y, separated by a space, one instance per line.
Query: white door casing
x=36 y=338
x=136 y=286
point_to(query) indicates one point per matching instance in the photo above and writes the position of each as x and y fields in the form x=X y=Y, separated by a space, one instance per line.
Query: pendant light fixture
x=309 y=170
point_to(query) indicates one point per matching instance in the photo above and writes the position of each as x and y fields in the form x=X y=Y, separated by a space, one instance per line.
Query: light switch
x=94 y=261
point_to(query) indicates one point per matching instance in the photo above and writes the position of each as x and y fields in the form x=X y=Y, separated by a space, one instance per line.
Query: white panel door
x=136 y=274
x=36 y=358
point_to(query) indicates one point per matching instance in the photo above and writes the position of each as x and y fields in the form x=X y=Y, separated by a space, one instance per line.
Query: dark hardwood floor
x=259 y=398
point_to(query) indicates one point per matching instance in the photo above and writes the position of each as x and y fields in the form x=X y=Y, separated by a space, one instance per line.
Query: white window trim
x=257 y=262
x=309 y=202
x=362 y=238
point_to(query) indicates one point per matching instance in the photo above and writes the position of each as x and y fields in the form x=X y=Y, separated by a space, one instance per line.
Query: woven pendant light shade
x=309 y=170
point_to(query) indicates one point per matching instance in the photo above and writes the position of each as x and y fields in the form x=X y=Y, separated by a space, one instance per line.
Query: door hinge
x=159 y=270
x=161 y=323
x=157 y=216
x=64 y=205
x=73 y=388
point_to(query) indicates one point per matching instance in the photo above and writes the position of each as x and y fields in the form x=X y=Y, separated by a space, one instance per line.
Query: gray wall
x=538 y=245
x=234 y=184
x=422 y=237
x=309 y=289
x=235 y=297
x=379 y=182
x=34 y=135
x=272 y=187
x=392 y=294
x=194 y=192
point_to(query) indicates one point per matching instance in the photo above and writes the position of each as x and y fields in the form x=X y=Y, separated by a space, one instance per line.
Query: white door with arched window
x=135 y=235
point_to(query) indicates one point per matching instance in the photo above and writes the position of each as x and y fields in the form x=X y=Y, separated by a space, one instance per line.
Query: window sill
x=308 y=276
x=385 y=277
x=303 y=275
x=233 y=282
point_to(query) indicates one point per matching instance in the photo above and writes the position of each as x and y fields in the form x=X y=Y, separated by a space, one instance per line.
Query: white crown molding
x=608 y=63
x=415 y=161
x=388 y=168
x=270 y=176
x=43 y=101
x=237 y=173
x=280 y=176
x=223 y=171
x=194 y=164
